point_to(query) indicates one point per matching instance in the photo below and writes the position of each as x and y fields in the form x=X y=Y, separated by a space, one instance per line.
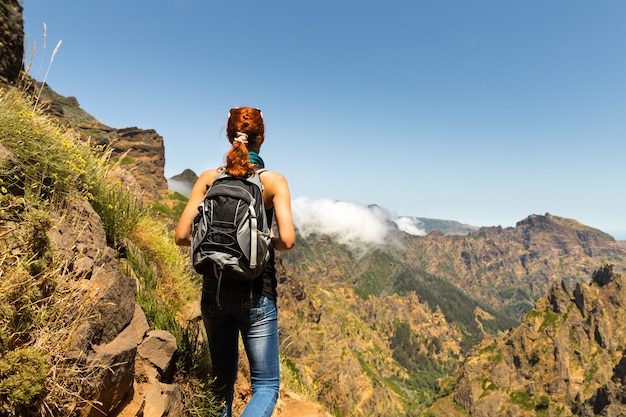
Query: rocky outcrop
x=566 y=358
x=11 y=40
x=115 y=360
x=133 y=365
x=139 y=152
x=143 y=154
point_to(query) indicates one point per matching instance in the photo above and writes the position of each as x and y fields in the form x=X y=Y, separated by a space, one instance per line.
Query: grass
x=40 y=302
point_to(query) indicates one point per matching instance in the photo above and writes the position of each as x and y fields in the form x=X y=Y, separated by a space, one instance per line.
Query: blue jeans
x=256 y=317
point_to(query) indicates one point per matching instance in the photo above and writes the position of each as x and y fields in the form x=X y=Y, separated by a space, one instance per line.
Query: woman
x=258 y=323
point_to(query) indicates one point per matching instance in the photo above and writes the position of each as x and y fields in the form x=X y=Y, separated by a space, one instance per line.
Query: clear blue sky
x=478 y=111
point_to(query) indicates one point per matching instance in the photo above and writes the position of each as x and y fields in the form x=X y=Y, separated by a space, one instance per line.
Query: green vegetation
x=416 y=355
x=457 y=307
x=523 y=399
x=176 y=203
x=488 y=386
x=40 y=305
x=550 y=320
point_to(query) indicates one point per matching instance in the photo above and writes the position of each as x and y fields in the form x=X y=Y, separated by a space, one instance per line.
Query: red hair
x=249 y=121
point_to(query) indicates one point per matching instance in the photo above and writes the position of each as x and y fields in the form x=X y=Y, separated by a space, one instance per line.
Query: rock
x=159 y=348
x=151 y=397
x=79 y=243
x=114 y=383
x=11 y=40
x=111 y=295
x=79 y=240
x=146 y=151
x=139 y=325
x=559 y=298
x=163 y=400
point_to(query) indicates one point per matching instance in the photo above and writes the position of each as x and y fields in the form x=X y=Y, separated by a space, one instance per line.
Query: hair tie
x=241 y=138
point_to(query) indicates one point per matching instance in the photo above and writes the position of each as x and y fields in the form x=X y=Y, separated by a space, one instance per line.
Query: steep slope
x=566 y=358
x=370 y=333
x=348 y=348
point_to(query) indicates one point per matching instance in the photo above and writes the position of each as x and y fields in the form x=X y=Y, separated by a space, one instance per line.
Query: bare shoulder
x=204 y=180
x=272 y=177
x=209 y=175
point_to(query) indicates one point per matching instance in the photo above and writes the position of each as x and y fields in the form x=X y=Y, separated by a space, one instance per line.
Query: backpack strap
x=253 y=236
x=218 y=273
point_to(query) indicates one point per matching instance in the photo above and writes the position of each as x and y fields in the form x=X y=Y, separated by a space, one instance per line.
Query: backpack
x=231 y=232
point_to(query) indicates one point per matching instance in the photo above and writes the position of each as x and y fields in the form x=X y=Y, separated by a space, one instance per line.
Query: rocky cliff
x=566 y=358
x=139 y=151
x=11 y=40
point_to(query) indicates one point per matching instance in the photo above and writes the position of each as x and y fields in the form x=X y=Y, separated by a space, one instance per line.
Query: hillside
x=566 y=358
x=510 y=268
x=379 y=332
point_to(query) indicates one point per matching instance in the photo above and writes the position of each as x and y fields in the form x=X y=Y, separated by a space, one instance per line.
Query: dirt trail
x=292 y=405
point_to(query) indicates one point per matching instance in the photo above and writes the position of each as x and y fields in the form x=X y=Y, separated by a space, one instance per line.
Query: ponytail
x=245 y=129
x=238 y=160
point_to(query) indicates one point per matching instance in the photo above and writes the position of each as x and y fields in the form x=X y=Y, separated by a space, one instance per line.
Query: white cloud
x=409 y=225
x=350 y=223
x=183 y=187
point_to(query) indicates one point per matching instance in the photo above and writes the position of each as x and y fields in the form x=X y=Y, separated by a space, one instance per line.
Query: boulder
x=116 y=360
x=159 y=348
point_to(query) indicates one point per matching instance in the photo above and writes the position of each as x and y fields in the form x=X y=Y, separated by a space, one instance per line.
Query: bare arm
x=182 y=235
x=277 y=192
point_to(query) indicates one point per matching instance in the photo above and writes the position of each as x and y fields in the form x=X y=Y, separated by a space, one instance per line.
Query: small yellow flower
x=4 y=190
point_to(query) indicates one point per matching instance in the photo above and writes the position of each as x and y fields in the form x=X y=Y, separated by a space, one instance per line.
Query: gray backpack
x=230 y=235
